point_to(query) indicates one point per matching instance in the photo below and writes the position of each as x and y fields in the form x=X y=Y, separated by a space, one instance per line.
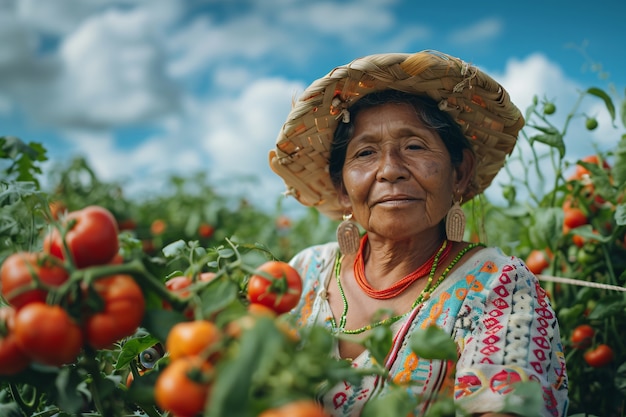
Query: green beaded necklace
x=423 y=296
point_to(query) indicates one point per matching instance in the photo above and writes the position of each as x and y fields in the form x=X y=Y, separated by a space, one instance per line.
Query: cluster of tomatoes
x=584 y=207
x=56 y=308
x=582 y=338
x=194 y=347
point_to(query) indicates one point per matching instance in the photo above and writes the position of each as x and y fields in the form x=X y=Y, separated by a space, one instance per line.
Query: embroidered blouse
x=493 y=308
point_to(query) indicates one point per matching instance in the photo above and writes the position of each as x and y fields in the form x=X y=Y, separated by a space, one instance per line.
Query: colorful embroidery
x=496 y=312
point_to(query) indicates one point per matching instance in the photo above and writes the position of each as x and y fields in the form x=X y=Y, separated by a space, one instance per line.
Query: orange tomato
x=193 y=338
x=298 y=408
x=537 y=261
x=182 y=387
x=158 y=227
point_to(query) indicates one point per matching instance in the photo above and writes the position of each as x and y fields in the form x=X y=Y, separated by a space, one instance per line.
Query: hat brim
x=479 y=104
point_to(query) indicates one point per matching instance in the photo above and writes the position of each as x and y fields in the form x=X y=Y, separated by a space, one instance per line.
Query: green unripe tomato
x=591 y=123
x=549 y=108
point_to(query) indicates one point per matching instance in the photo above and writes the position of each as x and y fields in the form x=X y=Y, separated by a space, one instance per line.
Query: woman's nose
x=391 y=167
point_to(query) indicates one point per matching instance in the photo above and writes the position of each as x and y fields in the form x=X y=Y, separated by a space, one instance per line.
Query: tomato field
x=173 y=305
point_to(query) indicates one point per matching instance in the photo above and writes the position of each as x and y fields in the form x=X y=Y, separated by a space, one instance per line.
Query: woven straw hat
x=479 y=104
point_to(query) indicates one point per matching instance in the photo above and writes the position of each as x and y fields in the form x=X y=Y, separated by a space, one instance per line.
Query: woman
x=394 y=143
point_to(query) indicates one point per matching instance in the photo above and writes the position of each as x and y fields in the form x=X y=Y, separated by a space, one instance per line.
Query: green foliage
x=593 y=253
x=20 y=196
x=242 y=236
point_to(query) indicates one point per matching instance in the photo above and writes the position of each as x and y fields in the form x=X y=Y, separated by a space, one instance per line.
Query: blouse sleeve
x=510 y=334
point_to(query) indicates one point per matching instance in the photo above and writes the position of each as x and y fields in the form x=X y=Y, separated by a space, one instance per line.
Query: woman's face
x=398 y=180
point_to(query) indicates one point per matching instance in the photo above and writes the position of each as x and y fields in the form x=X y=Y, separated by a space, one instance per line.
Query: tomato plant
x=280 y=290
x=91 y=237
x=47 y=334
x=120 y=314
x=599 y=356
x=25 y=277
x=12 y=358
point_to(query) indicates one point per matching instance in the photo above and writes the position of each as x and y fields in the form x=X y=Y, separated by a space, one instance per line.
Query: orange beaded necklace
x=401 y=285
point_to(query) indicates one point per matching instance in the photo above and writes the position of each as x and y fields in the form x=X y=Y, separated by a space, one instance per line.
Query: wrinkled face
x=398 y=180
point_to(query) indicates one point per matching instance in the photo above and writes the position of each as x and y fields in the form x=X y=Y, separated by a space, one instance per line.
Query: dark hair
x=428 y=112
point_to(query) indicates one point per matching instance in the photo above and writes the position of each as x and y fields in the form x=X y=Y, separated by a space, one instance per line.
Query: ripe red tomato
x=48 y=334
x=205 y=230
x=601 y=356
x=281 y=293
x=12 y=358
x=298 y=408
x=582 y=336
x=537 y=261
x=92 y=239
x=123 y=310
x=176 y=392
x=16 y=276
x=194 y=338
x=574 y=217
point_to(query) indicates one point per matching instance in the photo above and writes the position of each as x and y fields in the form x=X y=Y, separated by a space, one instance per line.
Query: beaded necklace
x=423 y=296
x=399 y=286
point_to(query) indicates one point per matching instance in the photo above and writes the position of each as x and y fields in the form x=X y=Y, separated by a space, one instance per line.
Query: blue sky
x=147 y=88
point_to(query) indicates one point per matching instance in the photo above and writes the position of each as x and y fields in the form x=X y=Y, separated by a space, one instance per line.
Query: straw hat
x=479 y=104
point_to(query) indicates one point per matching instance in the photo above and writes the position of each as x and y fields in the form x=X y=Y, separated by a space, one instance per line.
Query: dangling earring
x=348 y=235
x=455 y=222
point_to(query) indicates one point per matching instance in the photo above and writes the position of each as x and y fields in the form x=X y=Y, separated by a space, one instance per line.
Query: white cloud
x=484 y=30
x=537 y=76
x=113 y=73
x=240 y=131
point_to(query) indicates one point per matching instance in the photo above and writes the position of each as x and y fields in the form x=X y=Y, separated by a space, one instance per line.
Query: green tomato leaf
x=260 y=347
x=218 y=295
x=433 y=343
x=175 y=249
x=132 y=348
x=526 y=399
x=378 y=342
x=547 y=225
x=620 y=378
x=69 y=397
x=594 y=91
x=608 y=307
x=158 y=322
x=398 y=402
x=555 y=141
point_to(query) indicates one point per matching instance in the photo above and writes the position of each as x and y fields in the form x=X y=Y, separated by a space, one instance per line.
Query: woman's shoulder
x=317 y=255
x=493 y=260
x=323 y=250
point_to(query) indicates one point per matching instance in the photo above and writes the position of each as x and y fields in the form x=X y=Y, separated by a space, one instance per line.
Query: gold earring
x=455 y=222
x=348 y=235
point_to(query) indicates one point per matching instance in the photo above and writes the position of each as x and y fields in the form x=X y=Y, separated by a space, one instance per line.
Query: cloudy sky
x=147 y=88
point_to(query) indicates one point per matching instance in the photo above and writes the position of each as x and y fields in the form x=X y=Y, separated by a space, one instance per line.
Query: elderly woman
x=393 y=144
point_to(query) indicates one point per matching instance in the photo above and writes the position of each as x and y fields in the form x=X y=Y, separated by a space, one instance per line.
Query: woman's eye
x=414 y=147
x=364 y=152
